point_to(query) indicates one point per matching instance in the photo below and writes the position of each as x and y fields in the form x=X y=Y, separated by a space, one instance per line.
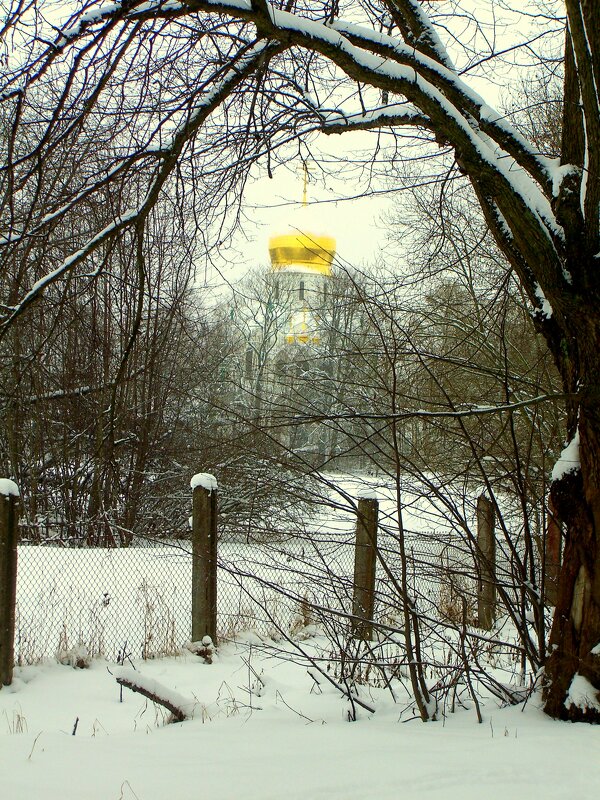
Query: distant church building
x=301 y=269
x=288 y=333
x=301 y=380
x=302 y=371
x=296 y=376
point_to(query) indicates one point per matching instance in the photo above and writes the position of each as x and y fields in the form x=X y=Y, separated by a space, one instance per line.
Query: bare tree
x=182 y=81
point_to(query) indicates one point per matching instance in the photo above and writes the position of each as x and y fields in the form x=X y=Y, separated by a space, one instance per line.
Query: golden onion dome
x=301 y=249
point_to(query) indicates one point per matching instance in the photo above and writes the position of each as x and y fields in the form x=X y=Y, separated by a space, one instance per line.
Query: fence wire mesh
x=282 y=586
x=137 y=599
x=73 y=600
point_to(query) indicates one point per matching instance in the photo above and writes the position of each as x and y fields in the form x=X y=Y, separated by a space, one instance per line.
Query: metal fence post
x=486 y=568
x=204 y=557
x=365 y=560
x=9 y=500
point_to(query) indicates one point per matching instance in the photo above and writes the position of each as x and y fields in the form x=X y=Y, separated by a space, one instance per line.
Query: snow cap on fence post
x=205 y=480
x=9 y=488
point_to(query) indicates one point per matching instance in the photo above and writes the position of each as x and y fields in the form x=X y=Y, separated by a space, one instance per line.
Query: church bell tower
x=301 y=264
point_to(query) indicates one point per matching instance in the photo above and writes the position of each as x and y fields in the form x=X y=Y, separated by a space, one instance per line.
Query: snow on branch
x=510 y=173
x=387 y=116
x=69 y=394
x=422 y=29
x=68 y=264
x=114 y=11
x=244 y=63
x=17 y=236
x=513 y=171
x=460 y=94
x=471 y=411
x=180 y=707
x=372 y=51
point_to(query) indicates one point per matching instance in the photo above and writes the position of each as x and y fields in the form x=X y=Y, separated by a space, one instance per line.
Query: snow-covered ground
x=281 y=736
x=266 y=724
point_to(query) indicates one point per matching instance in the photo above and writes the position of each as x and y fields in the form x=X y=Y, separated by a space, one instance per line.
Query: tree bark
x=574 y=646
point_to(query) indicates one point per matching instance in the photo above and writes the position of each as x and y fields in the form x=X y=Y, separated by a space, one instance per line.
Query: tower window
x=301 y=291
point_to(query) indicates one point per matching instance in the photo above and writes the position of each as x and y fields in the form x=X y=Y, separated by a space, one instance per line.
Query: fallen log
x=179 y=706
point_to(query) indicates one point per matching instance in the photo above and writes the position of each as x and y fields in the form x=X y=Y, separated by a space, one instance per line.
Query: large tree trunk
x=574 y=648
x=572 y=674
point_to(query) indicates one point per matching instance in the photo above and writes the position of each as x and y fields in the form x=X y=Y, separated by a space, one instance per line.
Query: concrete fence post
x=365 y=562
x=204 y=557
x=9 y=502
x=486 y=567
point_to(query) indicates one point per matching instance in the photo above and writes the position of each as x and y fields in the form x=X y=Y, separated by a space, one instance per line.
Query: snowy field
x=263 y=730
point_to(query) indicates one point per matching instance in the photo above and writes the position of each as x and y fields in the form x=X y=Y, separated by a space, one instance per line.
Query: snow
x=568 y=460
x=558 y=173
x=367 y=493
x=261 y=726
x=545 y=307
x=157 y=5
x=205 y=480
x=107 y=10
x=241 y=5
x=104 y=11
x=263 y=729
x=595 y=651
x=430 y=33
x=187 y=705
x=394 y=114
x=582 y=694
x=78 y=656
x=8 y=488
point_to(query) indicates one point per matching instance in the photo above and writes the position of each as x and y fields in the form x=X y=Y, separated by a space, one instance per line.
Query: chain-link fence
x=138 y=599
x=101 y=601
x=285 y=584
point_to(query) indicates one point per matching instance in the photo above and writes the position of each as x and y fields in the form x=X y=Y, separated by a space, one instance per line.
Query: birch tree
x=183 y=80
